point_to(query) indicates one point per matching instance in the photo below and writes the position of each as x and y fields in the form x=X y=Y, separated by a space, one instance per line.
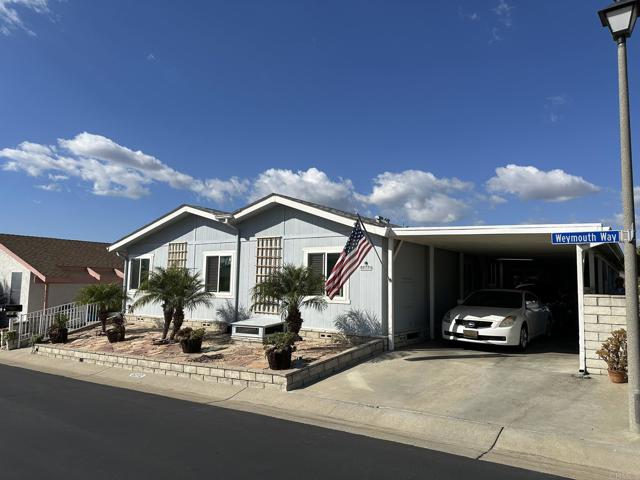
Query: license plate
x=470 y=334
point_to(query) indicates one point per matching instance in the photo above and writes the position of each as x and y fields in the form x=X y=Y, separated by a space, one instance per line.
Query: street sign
x=579 y=238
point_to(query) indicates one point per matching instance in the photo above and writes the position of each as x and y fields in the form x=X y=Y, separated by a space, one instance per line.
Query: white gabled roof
x=168 y=218
x=321 y=211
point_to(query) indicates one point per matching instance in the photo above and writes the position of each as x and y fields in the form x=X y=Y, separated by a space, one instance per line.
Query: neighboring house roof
x=56 y=260
x=333 y=214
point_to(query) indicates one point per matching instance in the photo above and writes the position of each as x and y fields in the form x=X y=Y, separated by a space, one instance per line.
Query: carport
x=430 y=268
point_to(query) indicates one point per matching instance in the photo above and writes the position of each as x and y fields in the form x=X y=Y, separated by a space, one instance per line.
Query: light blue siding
x=299 y=231
x=410 y=294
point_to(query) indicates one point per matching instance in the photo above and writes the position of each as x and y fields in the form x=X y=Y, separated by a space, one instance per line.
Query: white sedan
x=497 y=317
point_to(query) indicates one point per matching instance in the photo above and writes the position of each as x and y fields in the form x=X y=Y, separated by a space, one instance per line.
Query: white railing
x=29 y=326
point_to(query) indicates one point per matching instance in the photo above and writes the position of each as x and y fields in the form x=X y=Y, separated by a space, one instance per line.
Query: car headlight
x=508 y=321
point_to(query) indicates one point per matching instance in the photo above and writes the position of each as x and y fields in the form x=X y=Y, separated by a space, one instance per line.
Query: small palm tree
x=291 y=288
x=108 y=296
x=160 y=288
x=189 y=293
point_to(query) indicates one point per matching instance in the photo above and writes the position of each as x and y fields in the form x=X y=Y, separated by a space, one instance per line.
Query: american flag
x=351 y=257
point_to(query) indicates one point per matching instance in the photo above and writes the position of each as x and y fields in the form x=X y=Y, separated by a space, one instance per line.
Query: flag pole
x=369 y=238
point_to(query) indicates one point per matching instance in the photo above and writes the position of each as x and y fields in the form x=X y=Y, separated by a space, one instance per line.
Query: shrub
x=228 y=313
x=36 y=339
x=614 y=351
x=190 y=334
x=280 y=342
x=60 y=320
x=10 y=335
x=358 y=322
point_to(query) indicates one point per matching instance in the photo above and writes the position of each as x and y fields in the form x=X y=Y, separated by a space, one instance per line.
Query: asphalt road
x=57 y=428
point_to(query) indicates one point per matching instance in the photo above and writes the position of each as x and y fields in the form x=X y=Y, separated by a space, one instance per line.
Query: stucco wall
x=8 y=265
x=602 y=315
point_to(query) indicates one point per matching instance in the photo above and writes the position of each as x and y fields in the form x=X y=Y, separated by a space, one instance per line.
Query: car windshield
x=494 y=298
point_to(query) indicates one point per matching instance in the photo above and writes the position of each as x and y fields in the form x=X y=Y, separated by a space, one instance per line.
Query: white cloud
x=530 y=183
x=114 y=170
x=151 y=57
x=418 y=196
x=49 y=187
x=553 y=105
x=504 y=12
x=10 y=14
x=313 y=185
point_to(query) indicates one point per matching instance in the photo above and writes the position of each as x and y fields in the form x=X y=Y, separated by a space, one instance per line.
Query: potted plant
x=58 y=332
x=117 y=331
x=614 y=353
x=278 y=348
x=11 y=339
x=190 y=339
x=291 y=289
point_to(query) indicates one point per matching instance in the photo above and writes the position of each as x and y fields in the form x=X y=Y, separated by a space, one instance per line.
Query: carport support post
x=390 y=319
x=580 y=281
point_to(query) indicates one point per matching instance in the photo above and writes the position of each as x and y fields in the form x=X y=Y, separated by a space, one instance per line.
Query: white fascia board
x=499 y=229
x=376 y=230
x=159 y=223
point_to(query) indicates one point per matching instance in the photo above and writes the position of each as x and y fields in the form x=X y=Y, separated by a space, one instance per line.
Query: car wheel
x=524 y=338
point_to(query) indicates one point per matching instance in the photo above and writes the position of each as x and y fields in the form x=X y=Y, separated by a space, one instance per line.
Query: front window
x=323 y=263
x=494 y=298
x=217 y=274
x=139 y=272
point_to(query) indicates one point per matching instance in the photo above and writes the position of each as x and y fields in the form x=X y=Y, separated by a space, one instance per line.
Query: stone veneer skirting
x=602 y=315
x=225 y=374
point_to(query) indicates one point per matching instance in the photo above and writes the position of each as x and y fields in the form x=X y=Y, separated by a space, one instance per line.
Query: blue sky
x=468 y=112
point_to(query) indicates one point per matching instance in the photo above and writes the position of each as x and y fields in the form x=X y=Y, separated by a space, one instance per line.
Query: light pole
x=620 y=17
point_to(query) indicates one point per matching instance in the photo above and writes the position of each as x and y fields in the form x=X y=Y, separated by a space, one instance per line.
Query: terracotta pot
x=617 y=377
x=279 y=359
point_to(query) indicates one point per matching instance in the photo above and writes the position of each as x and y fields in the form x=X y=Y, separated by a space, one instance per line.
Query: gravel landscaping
x=217 y=349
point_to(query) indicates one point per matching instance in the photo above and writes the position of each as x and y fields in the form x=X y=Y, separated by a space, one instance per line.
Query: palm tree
x=292 y=288
x=189 y=293
x=160 y=288
x=108 y=296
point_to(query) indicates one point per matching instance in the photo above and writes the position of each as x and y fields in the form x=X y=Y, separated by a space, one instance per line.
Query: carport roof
x=501 y=240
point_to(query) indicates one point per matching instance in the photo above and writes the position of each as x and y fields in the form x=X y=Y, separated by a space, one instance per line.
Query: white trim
x=221 y=253
x=160 y=222
x=390 y=303
x=144 y=256
x=345 y=299
x=318 y=212
x=432 y=293
x=498 y=229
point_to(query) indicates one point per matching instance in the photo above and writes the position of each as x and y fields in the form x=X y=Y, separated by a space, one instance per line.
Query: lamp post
x=620 y=17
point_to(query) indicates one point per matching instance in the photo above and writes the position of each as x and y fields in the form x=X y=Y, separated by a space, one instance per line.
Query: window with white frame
x=138 y=272
x=218 y=272
x=322 y=262
x=268 y=261
x=177 y=255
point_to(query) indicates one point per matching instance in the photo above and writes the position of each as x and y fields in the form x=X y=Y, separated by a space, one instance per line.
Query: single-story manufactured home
x=408 y=281
x=38 y=272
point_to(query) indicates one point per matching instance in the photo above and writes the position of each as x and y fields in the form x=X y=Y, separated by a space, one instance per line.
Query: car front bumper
x=489 y=336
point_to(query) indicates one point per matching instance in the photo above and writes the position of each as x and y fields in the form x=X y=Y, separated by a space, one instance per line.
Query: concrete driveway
x=538 y=390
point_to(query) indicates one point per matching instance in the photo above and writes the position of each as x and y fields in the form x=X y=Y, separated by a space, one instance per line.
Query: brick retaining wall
x=602 y=315
x=225 y=374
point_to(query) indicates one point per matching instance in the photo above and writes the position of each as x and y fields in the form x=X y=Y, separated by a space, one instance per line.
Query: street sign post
x=580 y=238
